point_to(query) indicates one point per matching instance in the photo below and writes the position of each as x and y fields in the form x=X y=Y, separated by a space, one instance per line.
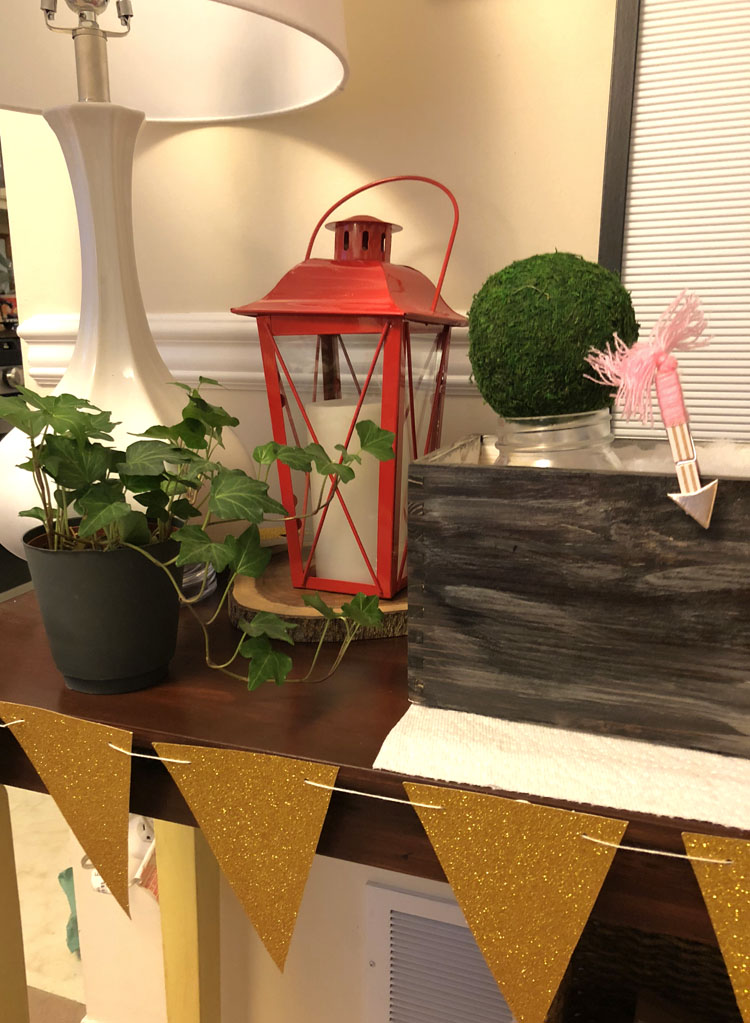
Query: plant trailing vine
x=149 y=492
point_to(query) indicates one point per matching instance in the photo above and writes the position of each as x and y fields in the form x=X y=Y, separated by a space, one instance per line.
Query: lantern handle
x=386 y=181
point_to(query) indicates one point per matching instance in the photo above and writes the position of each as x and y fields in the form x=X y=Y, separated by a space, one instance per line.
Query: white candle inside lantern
x=337 y=554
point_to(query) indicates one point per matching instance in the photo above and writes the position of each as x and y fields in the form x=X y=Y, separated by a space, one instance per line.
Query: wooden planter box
x=582 y=600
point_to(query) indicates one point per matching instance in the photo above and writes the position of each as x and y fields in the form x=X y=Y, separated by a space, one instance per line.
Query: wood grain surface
x=273 y=592
x=581 y=600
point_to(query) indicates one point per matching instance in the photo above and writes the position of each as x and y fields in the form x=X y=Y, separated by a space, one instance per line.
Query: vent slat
x=438 y=975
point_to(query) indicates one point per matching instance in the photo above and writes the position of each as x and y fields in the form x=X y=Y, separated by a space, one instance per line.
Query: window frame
x=617 y=146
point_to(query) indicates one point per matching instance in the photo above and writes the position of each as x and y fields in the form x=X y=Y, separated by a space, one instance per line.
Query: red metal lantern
x=344 y=340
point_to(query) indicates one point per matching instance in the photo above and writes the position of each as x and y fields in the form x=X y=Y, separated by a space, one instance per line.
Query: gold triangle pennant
x=726 y=891
x=525 y=879
x=262 y=822
x=88 y=780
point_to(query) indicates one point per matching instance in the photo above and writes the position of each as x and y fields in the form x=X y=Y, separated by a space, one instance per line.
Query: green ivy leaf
x=67 y=415
x=183 y=509
x=184 y=387
x=318 y=455
x=193 y=474
x=152 y=499
x=72 y=464
x=197 y=547
x=34 y=513
x=18 y=414
x=265 y=454
x=147 y=457
x=193 y=433
x=115 y=457
x=212 y=415
x=102 y=505
x=344 y=472
x=83 y=425
x=315 y=600
x=348 y=457
x=134 y=529
x=175 y=485
x=326 y=466
x=208 y=380
x=168 y=433
x=107 y=492
x=43 y=402
x=376 y=442
x=155 y=502
x=267 y=624
x=266 y=664
x=138 y=484
x=296 y=458
x=247 y=557
x=363 y=610
x=234 y=495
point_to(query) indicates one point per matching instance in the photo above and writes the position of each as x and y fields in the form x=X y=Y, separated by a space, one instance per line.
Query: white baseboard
x=219 y=345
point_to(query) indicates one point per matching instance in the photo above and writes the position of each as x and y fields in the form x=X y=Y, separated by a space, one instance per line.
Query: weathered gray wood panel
x=581 y=600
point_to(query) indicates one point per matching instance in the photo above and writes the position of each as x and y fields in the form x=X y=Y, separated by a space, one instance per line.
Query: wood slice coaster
x=274 y=592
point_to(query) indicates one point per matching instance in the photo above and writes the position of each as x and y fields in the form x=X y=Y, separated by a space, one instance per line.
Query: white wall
x=503 y=100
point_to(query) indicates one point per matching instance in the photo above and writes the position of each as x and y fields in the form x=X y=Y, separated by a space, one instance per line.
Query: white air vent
x=424 y=965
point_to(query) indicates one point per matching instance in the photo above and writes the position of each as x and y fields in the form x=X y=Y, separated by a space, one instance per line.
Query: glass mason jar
x=575 y=441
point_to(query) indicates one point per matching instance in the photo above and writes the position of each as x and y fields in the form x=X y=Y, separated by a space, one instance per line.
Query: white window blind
x=687 y=222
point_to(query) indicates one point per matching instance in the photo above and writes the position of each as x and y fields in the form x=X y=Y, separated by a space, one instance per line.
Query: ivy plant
x=170 y=484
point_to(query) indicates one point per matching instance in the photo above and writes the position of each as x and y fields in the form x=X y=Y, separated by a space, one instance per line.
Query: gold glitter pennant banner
x=262 y=822
x=88 y=780
x=525 y=879
x=726 y=892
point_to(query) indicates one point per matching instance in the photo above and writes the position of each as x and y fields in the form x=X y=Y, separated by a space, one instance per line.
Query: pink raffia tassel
x=633 y=371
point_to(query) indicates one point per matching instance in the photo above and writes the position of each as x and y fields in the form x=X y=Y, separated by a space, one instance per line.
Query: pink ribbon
x=634 y=371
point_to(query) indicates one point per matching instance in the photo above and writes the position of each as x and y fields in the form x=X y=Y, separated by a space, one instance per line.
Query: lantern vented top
x=362 y=237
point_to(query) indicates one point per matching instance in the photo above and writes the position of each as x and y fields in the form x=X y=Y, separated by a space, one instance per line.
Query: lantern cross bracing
x=346 y=340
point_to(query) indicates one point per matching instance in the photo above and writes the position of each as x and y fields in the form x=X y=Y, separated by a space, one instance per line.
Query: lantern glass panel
x=360 y=536
x=327 y=375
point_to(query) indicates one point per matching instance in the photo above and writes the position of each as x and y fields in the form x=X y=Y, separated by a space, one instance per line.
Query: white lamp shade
x=185 y=60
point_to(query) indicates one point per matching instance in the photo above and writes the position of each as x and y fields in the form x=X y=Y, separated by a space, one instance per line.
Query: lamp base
x=115 y=362
x=274 y=592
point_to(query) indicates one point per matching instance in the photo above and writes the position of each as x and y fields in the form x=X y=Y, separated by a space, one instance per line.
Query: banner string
x=147 y=756
x=372 y=795
x=656 y=852
x=408 y=802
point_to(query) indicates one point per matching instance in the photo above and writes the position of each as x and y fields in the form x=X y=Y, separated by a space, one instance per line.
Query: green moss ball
x=531 y=326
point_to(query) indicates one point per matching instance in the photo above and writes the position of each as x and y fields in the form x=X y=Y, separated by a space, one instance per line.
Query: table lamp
x=183 y=61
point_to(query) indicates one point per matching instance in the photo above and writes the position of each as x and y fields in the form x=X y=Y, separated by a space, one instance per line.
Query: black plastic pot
x=110 y=616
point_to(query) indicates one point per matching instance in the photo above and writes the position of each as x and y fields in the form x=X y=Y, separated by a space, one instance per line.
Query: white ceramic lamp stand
x=294 y=56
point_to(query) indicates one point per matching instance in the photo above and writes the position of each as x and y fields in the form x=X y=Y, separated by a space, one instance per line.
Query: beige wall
x=503 y=100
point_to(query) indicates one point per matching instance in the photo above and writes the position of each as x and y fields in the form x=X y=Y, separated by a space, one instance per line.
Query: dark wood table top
x=343 y=721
